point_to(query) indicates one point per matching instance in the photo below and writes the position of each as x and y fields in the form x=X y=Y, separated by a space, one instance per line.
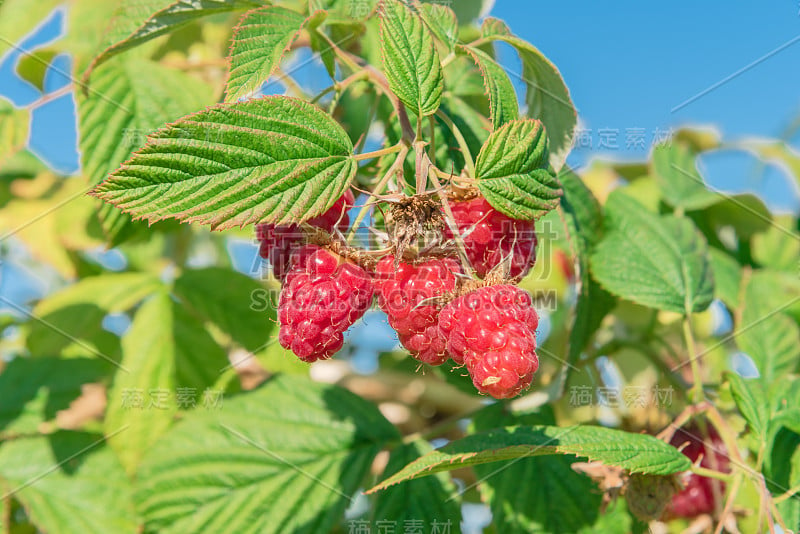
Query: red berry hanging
x=322 y=296
x=697 y=496
x=408 y=296
x=492 y=330
x=490 y=237
x=278 y=242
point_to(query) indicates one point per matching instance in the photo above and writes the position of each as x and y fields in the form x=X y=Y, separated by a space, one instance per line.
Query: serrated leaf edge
x=292 y=40
x=98 y=192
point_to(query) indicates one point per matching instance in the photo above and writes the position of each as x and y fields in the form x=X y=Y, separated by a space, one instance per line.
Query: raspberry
x=697 y=497
x=322 y=296
x=278 y=242
x=491 y=237
x=405 y=295
x=648 y=495
x=492 y=330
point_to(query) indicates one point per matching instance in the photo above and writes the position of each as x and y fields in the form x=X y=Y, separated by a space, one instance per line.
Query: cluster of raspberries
x=490 y=330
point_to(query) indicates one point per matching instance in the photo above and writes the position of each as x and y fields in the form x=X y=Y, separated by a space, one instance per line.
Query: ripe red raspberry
x=493 y=331
x=278 y=242
x=322 y=296
x=406 y=295
x=491 y=237
x=697 y=497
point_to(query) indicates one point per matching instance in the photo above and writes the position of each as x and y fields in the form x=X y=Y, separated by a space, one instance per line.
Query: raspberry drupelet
x=490 y=237
x=697 y=496
x=279 y=242
x=408 y=297
x=492 y=331
x=322 y=296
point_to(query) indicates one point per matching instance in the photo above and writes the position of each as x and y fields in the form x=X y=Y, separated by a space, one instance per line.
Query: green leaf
x=462 y=79
x=34 y=390
x=129 y=100
x=782 y=473
x=430 y=500
x=547 y=98
x=32 y=67
x=656 y=261
x=275 y=359
x=561 y=500
x=727 y=277
x=441 y=20
x=164 y=350
x=286 y=457
x=638 y=453
x=765 y=333
x=746 y=214
x=410 y=60
x=493 y=27
x=137 y=21
x=13 y=129
x=675 y=167
x=584 y=219
x=752 y=403
x=273 y=159
x=469 y=10
x=71 y=319
x=344 y=11
x=779 y=246
x=512 y=171
x=259 y=42
x=473 y=126
x=225 y=298
x=787 y=400
x=502 y=98
x=68 y=482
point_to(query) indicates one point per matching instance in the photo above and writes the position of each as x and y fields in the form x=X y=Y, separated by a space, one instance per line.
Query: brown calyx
x=410 y=218
x=321 y=238
x=462 y=192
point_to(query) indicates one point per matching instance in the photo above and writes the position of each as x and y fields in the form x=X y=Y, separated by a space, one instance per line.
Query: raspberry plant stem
x=382 y=84
x=710 y=473
x=377 y=190
x=378 y=153
x=432 y=136
x=451 y=223
x=732 y=493
x=291 y=84
x=469 y=163
x=423 y=165
x=340 y=86
x=380 y=81
x=345 y=57
x=696 y=393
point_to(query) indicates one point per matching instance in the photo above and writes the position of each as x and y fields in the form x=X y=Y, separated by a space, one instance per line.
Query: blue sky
x=634 y=67
x=630 y=65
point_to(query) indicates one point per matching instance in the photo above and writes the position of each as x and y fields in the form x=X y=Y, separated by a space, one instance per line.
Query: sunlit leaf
x=273 y=159
x=657 y=261
x=259 y=42
x=410 y=60
x=512 y=171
